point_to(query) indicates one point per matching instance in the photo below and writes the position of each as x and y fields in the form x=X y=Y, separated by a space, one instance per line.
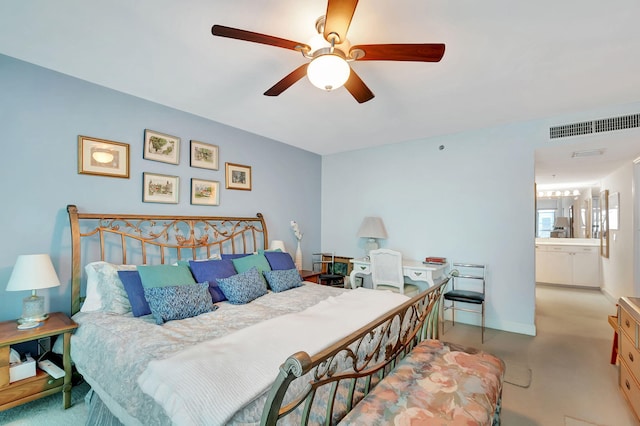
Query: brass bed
x=314 y=388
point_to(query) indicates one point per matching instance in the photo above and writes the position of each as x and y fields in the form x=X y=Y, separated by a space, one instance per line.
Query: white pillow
x=105 y=291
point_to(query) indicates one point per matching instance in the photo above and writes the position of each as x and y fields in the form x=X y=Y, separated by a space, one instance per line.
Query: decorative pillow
x=133 y=286
x=176 y=302
x=165 y=275
x=105 y=291
x=281 y=280
x=233 y=256
x=259 y=261
x=244 y=287
x=211 y=271
x=279 y=260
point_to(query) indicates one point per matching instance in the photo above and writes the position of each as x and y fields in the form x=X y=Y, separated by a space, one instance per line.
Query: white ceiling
x=505 y=61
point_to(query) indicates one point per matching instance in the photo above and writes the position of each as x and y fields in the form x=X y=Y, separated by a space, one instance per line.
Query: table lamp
x=278 y=244
x=32 y=272
x=372 y=228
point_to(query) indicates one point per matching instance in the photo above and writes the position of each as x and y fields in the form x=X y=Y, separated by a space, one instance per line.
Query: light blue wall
x=43 y=112
x=472 y=201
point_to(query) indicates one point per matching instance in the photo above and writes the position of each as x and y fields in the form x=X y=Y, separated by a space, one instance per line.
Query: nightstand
x=42 y=384
x=312 y=276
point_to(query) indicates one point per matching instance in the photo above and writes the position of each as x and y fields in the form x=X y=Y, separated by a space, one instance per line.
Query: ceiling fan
x=329 y=67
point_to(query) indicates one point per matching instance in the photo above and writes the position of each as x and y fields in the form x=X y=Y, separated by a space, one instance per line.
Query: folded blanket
x=209 y=382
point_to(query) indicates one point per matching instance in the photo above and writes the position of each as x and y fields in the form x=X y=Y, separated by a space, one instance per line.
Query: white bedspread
x=207 y=383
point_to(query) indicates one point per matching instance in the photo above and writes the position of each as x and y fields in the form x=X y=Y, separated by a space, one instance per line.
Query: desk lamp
x=32 y=272
x=372 y=228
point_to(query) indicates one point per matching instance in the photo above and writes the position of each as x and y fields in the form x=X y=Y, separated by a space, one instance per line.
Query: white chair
x=386 y=271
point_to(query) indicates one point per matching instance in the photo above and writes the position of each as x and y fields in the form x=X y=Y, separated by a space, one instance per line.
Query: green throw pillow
x=243 y=264
x=165 y=275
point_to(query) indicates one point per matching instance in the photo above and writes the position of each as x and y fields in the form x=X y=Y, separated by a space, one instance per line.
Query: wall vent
x=574 y=129
x=595 y=126
x=617 y=123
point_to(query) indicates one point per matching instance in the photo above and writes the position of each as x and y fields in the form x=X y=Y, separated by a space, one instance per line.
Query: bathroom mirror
x=566 y=213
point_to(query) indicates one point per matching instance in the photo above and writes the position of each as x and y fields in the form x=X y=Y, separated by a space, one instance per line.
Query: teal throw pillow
x=259 y=261
x=165 y=275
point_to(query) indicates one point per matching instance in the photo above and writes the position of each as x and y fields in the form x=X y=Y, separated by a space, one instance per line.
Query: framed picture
x=604 y=223
x=204 y=155
x=238 y=176
x=161 y=147
x=160 y=188
x=205 y=192
x=614 y=211
x=101 y=157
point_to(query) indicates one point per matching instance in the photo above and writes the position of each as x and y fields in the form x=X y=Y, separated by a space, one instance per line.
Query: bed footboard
x=322 y=388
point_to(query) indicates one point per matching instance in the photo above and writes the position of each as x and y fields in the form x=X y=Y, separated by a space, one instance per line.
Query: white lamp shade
x=31 y=272
x=561 y=222
x=372 y=227
x=278 y=244
x=328 y=72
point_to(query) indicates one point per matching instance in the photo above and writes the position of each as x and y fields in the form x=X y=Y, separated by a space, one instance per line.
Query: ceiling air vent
x=617 y=123
x=574 y=129
x=595 y=126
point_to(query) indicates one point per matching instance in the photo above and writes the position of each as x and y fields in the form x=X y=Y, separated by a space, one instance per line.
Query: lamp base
x=371 y=244
x=33 y=309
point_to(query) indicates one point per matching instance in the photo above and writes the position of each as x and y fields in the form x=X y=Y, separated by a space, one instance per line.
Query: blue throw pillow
x=244 y=287
x=279 y=260
x=233 y=256
x=281 y=280
x=133 y=286
x=179 y=301
x=212 y=270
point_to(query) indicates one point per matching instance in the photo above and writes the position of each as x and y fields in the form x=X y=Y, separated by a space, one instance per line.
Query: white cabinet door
x=586 y=267
x=543 y=272
x=560 y=267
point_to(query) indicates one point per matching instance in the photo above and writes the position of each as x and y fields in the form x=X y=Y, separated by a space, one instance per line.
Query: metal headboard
x=156 y=239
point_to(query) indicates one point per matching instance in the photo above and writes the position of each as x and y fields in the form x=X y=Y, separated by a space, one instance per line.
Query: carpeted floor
x=48 y=411
x=571 y=381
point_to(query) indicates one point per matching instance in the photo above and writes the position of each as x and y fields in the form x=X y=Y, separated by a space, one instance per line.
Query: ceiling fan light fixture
x=328 y=71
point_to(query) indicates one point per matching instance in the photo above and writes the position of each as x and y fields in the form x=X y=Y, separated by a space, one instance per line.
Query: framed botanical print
x=204 y=155
x=161 y=147
x=205 y=192
x=101 y=157
x=238 y=176
x=158 y=188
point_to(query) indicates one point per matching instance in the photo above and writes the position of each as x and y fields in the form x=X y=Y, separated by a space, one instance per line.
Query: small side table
x=40 y=385
x=312 y=276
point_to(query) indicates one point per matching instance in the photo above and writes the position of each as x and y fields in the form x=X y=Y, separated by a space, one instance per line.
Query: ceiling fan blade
x=357 y=88
x=222 y=31
x=288 y=81
x=427 y=52
x=338 y=18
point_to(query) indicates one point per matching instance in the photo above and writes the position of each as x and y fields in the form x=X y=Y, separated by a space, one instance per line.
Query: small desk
x=412 y=269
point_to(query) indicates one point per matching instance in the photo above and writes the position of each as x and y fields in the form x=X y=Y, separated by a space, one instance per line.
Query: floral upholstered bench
x=436 y=384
